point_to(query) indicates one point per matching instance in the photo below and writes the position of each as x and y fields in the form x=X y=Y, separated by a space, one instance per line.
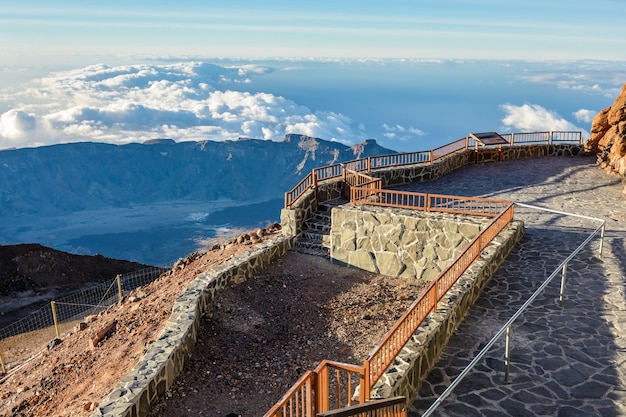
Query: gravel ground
x=262 y=335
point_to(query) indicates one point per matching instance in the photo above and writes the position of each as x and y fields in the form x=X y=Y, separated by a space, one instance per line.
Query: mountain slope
x=83 y=176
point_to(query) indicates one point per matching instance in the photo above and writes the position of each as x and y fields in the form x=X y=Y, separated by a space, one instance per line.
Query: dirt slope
x=259 y=338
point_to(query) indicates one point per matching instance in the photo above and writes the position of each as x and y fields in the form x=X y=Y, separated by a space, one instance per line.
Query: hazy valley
x=153 y=202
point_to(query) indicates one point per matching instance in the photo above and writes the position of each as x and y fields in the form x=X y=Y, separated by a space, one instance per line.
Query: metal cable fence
x=61 y=314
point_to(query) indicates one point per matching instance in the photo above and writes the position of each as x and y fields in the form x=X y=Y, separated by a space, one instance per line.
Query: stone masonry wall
x=395 y=242
x=528 y=151
x=155 y=372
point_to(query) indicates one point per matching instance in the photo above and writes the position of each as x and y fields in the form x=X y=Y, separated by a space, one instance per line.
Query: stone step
x=316 y=236
x=313 y=250
x=326 y=206
x=321 y=217
x=317 y=226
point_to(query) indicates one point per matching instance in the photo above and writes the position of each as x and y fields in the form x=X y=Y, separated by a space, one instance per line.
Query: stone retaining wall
x=404 y=376
x=528 y=151
x=155 y=372
x=400 y=242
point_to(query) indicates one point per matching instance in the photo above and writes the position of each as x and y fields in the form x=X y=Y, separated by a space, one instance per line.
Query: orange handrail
x=298 y=401
x=409 y=158
x=397 y=337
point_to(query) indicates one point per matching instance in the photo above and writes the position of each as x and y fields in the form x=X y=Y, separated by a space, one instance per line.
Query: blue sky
x=401 y=72
x=38 y=31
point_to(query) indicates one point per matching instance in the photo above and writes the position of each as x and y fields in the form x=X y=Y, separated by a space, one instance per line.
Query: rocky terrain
x=30 y=273
x=608 y=138
x=250 y=350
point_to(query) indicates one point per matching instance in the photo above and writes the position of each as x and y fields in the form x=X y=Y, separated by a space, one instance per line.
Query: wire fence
x=40 y=326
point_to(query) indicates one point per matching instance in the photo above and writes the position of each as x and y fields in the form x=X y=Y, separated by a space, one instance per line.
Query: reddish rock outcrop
x=608 y=138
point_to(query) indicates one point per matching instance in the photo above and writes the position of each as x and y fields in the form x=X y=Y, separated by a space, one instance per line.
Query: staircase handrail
x=396 y=338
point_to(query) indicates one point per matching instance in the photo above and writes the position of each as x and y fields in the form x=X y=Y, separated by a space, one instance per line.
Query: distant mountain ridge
x=57 y=179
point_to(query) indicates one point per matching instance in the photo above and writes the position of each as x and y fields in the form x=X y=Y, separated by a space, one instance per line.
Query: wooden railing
x=386 y=161
x=331 y=385
x=391 y=407
x=396 y=338
x=313 y=392
x=427 y=202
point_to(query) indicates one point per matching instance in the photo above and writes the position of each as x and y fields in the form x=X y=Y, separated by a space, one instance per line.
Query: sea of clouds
x=183 y=101
x=196 y=100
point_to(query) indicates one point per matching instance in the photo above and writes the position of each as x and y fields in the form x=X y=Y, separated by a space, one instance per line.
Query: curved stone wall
x=155 y=372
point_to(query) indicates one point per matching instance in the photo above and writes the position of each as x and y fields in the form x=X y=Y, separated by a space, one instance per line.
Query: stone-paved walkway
x=565 y=361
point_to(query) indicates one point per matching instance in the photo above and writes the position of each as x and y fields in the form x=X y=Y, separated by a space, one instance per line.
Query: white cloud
x=398 y=132
x=183 y=101
x=584 y=115
x=594 y=77
x=534 y=118
x=15 y=123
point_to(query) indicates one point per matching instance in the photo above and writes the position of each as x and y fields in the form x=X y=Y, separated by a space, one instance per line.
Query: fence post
x=54 y=318
x=4 y=366
x=120 y=294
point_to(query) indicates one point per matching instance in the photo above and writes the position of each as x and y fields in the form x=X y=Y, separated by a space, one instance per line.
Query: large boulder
x=608 y=138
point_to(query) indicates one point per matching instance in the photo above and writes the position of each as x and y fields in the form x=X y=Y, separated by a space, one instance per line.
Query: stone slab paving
x=566 y=360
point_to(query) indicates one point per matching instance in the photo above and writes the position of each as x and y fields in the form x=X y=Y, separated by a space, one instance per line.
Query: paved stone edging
x=157 y=369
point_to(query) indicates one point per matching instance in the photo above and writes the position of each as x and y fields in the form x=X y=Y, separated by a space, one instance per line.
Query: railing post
x=507 y=356
x=601 y=240
x=54 y=318
x=369 y=164
x=563 y=281
x=365 y=385
x=314 y=175
x=321 y=390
